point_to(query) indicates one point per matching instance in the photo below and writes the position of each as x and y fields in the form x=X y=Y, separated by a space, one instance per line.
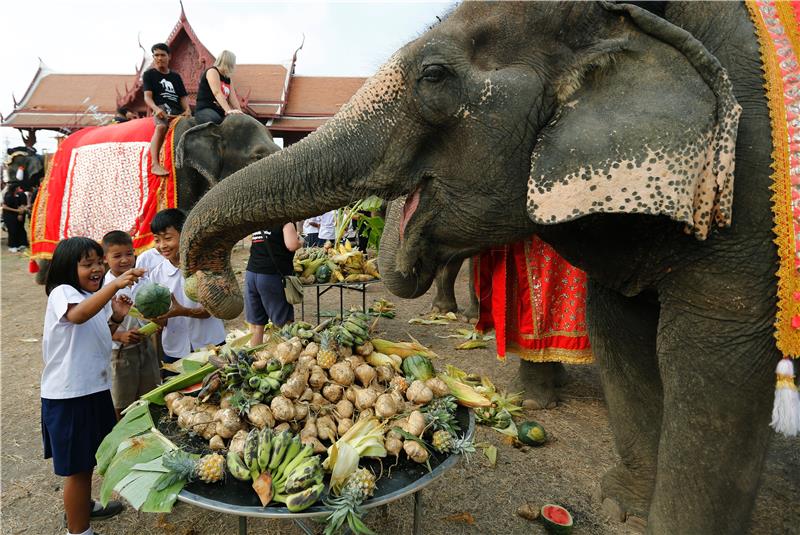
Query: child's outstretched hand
x=176 y=309
x=120 y=306
x=129 y=278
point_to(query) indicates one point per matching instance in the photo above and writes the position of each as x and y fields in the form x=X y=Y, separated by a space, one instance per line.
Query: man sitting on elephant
x=165 y=95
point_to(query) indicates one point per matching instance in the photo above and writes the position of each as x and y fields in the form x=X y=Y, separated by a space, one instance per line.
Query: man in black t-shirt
x=165 y=95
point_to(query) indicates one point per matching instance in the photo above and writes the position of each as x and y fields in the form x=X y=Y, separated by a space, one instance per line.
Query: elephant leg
x=41 y=275
x=538 y=382
x=473 y=309
x=445 y=298
x=717 y=365
x=623 y=336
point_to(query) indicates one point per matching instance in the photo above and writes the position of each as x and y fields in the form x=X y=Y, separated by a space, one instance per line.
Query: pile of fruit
x=334 y=264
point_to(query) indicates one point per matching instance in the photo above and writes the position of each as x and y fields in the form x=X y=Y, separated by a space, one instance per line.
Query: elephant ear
x=200 y=148
x=35 y=166
x=652 y=132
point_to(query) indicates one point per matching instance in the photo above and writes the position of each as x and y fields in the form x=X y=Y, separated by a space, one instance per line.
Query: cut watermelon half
x=556 y=519
x=192 y=388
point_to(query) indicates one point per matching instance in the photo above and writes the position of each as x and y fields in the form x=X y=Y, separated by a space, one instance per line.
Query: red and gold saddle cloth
x=99 y=180
x=535 y=301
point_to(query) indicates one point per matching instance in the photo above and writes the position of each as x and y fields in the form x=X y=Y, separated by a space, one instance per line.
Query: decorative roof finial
x=183 y=14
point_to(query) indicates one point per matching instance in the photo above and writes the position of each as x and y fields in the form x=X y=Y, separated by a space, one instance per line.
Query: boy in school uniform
x=134 y=364
x=189 y=326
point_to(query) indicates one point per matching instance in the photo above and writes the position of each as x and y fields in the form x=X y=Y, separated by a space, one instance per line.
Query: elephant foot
x=537 y=381
x=470 y=315
x=626 y=496
x=443 y=307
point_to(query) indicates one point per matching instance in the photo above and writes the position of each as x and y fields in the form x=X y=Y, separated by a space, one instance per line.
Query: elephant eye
x=434 y=73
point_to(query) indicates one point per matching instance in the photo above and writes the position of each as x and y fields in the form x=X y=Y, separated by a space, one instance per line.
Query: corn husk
x=465 y=395
x=403 y=349
x=363 y=439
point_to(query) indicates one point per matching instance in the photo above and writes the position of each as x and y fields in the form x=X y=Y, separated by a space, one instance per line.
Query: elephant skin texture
x=610 y=132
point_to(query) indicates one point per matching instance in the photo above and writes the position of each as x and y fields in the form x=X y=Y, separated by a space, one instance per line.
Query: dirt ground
x=566 y=471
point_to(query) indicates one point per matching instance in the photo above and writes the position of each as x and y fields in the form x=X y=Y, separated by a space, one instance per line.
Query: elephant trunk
x=329 y=169
x=402 y=282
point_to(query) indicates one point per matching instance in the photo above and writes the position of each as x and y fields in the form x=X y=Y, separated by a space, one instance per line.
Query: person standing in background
x=311 y=231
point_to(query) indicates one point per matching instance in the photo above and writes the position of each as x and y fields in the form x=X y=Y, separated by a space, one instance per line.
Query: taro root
x=366 y=414
x=355 y=361
x=342 y=373
x=289 y=351
x=419 y=393
x=315 y=443
x=170 y=399
x=228 y=422
x=393 y=446
x=326 y=429
x=308 y=395
x=300 y=411
x=333 y=392
x=237 y=442
x=344 y=425
x=364 y=349
x=365 y=398
x=415 y=424
x=306 y=363
x=415 y=451
x=318 y=378
x=310 y=350
x=280 y=428
x=344 y=409
x=225 y=400
x=282 y=409
x=295 y=386
x=365 y=374
x=437 y=386
x=310 y=429
x=184 y=404
x=317 y=402
x=216 y=443
x=350 y=394
x=385 y=406
x=385 y=374
x=261 y=416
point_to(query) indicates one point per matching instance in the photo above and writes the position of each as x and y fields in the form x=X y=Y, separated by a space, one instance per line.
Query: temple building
x=290 y=106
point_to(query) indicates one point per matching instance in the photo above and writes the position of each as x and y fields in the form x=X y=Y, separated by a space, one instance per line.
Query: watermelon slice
x=556 y=519
x=192 y=388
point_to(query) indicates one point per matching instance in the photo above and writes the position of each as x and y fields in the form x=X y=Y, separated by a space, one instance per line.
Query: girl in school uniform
x=77 y=410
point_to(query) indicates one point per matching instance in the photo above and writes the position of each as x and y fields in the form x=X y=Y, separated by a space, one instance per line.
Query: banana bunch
x=256 y=381
x=344 y=263
x=383 y=307
x=281 y=468
x=354 y=330
x=300 y=329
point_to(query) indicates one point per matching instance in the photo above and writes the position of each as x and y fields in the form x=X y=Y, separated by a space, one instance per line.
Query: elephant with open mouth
x=610 y=131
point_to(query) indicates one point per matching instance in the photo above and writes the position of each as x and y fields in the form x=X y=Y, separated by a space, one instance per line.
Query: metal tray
x=238 y=498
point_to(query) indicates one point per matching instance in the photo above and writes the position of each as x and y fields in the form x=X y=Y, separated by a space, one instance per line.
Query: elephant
x=206 y=153
x=610 y=131
x=31 y=163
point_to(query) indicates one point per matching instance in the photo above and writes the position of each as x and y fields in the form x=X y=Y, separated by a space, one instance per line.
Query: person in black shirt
x=165 y=95
x=271 y=255
x=216 y=97
x=15 y=206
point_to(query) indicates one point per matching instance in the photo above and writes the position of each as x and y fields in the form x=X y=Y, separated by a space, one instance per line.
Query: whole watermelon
x=152 y=299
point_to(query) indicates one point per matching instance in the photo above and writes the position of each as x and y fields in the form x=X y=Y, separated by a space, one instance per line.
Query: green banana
x=254 y=381
x=272 y=365
x=355 y=329
x=264 y=448
x=291 y=452
x=280 y=444
x=300 y=461
x=269 y=383
x=251 y=449
x=302 y=478
x=302 y=500
x=236 y=467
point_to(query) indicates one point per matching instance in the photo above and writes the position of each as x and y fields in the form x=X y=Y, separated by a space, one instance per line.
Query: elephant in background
x=31 y=163
x=610 y=132
x=205 y=154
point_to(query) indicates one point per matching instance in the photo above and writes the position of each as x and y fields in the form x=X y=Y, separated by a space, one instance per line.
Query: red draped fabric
x=535 y=301
x=100 y=181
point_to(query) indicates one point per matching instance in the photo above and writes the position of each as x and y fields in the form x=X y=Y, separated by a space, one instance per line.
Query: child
x=134 y=365
x=77 y=411
x=188 y=326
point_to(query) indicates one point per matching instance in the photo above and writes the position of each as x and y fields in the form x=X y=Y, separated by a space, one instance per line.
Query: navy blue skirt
x=72 y=430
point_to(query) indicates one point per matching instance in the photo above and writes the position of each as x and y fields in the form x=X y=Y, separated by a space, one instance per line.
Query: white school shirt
x=327 y=225
x=182 y=335
x=307 y=228
x=77 y=357
x=149 y=259
x=129 y=323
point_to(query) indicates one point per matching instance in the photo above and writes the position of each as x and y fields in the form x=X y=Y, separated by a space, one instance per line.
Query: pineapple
x=346 y=508
x=442 y=441
x=440 y=414
x=326 y=356
x=183 y=467
x=210 y=468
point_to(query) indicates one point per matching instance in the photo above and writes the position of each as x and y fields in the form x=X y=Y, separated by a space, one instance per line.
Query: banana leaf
x=139 y=487
x=133 y=451
x=136 y=421
x=162 y=501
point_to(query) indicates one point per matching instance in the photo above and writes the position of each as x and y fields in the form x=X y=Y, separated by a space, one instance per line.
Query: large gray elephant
x=207 y=153
x=32 y=165
x=609 y=131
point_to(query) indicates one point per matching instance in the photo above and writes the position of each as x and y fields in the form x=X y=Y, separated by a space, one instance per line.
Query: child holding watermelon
x=77 y=409
x=134 y=363
x=189 y=326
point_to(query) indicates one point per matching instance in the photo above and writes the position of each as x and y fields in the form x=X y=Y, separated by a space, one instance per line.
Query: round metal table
x=238 y=498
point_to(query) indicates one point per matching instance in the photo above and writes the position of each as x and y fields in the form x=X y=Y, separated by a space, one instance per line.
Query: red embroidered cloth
x=100 y=181
x=535 y=301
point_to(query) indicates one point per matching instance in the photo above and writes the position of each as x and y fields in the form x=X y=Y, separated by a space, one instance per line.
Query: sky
x=87 y=36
